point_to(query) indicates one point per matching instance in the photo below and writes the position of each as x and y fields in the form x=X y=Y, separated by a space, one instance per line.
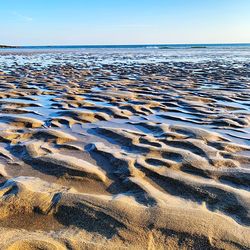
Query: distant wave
x=152 y=47
x=137 y=46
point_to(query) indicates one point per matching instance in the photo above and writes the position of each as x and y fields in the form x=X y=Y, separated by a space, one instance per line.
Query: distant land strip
x=7 y=46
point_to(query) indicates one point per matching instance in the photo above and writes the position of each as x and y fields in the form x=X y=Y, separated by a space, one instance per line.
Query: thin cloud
x=133 y=26
x=23 y=17
x=126 y=26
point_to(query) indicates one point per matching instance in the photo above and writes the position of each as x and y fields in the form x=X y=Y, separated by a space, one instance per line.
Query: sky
x=83 y=22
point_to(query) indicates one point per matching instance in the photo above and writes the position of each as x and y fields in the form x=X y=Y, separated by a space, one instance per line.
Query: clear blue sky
x=50 y=22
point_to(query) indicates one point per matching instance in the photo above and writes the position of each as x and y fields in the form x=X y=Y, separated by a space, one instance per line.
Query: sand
x=124 y=156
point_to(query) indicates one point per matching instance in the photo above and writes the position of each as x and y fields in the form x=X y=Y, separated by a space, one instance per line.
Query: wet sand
x=101 y=151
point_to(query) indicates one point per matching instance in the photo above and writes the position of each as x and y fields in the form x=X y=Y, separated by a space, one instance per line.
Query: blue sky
x=51 y=22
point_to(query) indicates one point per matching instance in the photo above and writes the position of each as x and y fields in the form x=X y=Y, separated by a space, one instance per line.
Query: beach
x=113 y=148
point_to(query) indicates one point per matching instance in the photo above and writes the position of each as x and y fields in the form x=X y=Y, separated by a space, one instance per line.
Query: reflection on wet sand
x=120 y=151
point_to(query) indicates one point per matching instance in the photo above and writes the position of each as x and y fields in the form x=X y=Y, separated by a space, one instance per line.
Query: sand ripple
x=136 y=156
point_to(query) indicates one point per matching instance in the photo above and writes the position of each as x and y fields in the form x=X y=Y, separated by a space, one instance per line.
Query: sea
x=139 y=46
x=125 y=54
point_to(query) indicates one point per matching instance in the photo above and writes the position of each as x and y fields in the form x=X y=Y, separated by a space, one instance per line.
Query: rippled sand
x=136 y=154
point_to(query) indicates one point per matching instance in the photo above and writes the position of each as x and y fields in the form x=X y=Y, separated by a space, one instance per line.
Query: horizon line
x=130 y=44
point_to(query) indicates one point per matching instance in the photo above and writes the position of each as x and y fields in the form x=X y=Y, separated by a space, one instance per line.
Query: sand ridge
x=119 y=155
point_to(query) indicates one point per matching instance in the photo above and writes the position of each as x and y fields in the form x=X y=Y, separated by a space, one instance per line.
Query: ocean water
x=143 y=46
x=95 y=56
